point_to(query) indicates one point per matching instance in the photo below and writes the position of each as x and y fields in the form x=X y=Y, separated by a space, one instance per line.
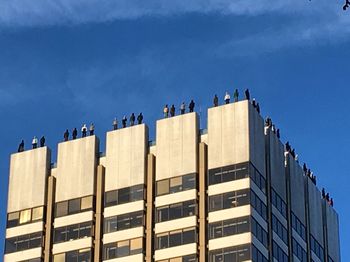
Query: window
x=229 y=200
x=175 y=238
x=232 y=254
x=278 y=203
x=259 y=232
x=12 y=219
x=177 y=210
x=83 y=255
x=125 y=221
x=317 y=248
x=228 y=173
x=38 y=213
x=73 y=232
x=25 y=216
x=278 y=253
x=124 y=195
x=23 y=242
x=298 y=226
x=299 y=251
x=258 y=205
x=257 y=256
x=229 y=227
x=74 y=206
x=279 y=229
x=176 y=184
x=123 y=248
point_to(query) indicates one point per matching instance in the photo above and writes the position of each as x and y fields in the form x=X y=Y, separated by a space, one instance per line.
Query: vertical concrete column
x=289 y=206
x=99 y=212
x=307 y=214
x=151 y=161
x=51 y=187
x=203 y=167
x=325 y=231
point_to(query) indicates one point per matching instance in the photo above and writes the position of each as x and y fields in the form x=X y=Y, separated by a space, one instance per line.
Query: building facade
x=230 y=193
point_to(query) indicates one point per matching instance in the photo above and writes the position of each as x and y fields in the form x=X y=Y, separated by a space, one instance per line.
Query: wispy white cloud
x=53 y=12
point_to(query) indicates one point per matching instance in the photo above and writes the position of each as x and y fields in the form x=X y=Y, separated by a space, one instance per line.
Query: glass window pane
x=176 y=259
x=73 y=206
x=59 y=258
x=175 y=238
x=85 y=230
x=136 y=219
x=189 y=182
x=62 y=209
x=84 y=255
x=162 y=214
x=175 y=184
x=10 y=245
x=162 y=241
x=124 y=195
x=175 y=211
x=35 y=240
x=111 y=224
x=137 y=193
x=123 y=248
x=189 y=208
x=72 y=256
x=86 y=202
x=189 y=236
x=73 y=232
x=111 y=198
x=38 y=213
x=136 y=246
x=13 y=219
x=22 y=242
x=215 y=203
x=163 y=187
x=25 y=216
x=60 y=234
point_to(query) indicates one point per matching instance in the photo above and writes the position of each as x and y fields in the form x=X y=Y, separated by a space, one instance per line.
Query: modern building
x=229 y=193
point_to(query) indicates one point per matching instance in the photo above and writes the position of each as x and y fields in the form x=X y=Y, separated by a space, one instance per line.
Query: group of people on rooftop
x=227 y=98
x=34 y=143
x=309 y=173
x=268 y=124
x=171 y=111
x=327 y=197
x=125 y=120
x=84 y=131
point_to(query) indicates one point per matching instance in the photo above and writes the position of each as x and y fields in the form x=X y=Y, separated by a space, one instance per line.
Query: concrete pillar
x=203 y=167
x=51 y=187
x=150 y=206
x=99 y=213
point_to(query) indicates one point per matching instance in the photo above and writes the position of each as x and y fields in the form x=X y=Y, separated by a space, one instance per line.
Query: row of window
x=74 y=206
x=83 y=255
x=236 y=172
x=258 y=205
x=176 y=184
x=257 y=256
x=278 y=253
x=299 y=251
x=73 y=232
x=175 y=238
x=39 y=259
x=123 y=248
x=317 y=248
x=124 y=195
x=298 y=226
x=279 y=229
x=229 y=200
x=25 y=216
x=231 y=254
x=125 y=221
x=229 y=227
x=279 y=203
x=189 y=258
x=175 y=211
x=23 y=242
x=260 y=233
x=228 y=173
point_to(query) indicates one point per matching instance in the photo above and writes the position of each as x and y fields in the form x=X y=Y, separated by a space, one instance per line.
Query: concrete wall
x=177 y=146
x=76 y=168
x=125 y=161
x=333 y=233
x=297 y=189
x=315 y=211
x=235 y=135
x=278 y=176
x=28 y=177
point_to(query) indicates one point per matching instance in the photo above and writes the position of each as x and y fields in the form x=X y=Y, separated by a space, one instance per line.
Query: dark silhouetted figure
x=191 y=106
x=75 y=133
x=323 y=193
x=132 y=119
x=227 y=98
x=254 y=103
x=66 y=135
x=92 y=129
x=21 y=146
x=331 y=202
x=293 y=153
x=247 y=94
x=304 y=168
x=182 y=108
x=268 y=122
x=124 y=121
x=347 y=4
x=327 y=196
x=235 y=96
x=288 y=148
x=83 y=130
x=115 y=124
x=278 y=133
x=35 y=142
x=258 y=108
x=216 y=100
x=166 y=111
x=139 y=118
x=42 y=141
x=172 y=110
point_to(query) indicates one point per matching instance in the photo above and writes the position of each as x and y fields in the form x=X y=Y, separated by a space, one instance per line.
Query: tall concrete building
x=229 y=193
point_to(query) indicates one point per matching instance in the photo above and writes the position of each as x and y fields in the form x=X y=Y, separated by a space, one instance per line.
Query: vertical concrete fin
x=99 y=212
x=151 y=161
x=51 y=187
x=203 y=167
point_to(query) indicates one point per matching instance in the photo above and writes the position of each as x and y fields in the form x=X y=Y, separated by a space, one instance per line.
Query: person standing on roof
x=227 y=98
x=35 y=142
x=92 y=129
x=216 y=100
x=191 y=106
x=166 y=111
x=182 y=108
x=115 y=124
x=83 y=130
x=235 y=95
x=139 y=118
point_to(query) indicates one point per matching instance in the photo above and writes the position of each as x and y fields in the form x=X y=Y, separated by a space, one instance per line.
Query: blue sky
x=64 y=63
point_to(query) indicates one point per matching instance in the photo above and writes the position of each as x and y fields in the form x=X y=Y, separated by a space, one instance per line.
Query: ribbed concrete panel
x=177 y=146
x=333 y=233
x=315 y=211
x=28 y=177
x=235 y=135
x=297 y=186
x=278 y=176
x=125 y=160
x=76 y=168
